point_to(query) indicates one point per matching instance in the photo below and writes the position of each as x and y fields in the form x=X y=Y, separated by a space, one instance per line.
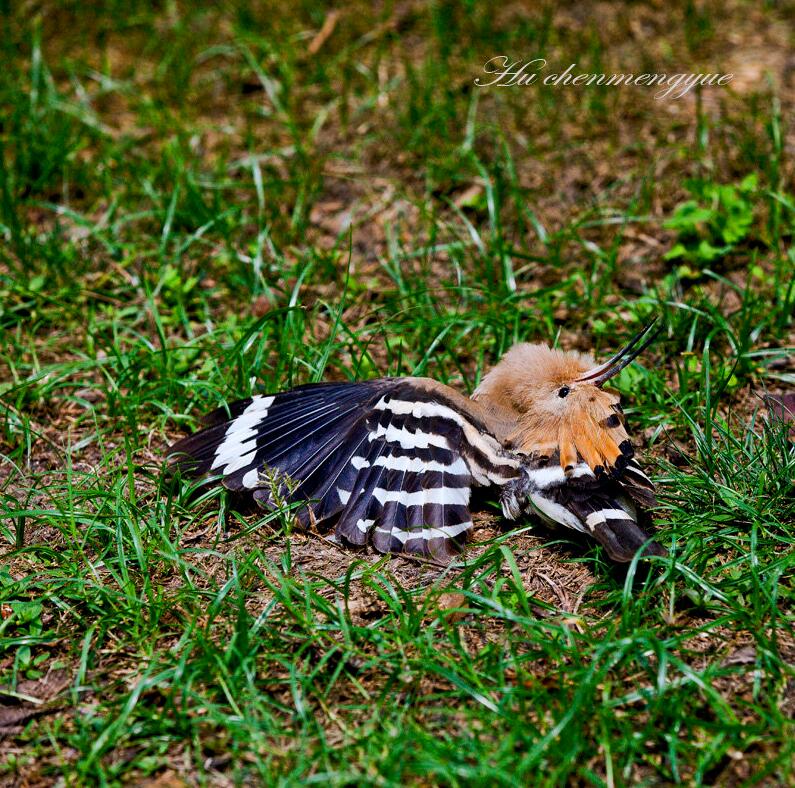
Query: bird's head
x=560 y=405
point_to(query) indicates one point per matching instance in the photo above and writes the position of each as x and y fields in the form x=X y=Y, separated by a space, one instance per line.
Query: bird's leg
x=515 y=494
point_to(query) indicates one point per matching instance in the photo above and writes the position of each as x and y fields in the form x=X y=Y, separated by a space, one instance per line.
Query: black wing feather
x=390 y=460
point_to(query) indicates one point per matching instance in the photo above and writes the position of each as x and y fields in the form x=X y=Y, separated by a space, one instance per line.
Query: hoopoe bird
x=394 y=461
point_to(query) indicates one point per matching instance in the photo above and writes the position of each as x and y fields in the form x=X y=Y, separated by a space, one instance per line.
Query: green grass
x=193 y=206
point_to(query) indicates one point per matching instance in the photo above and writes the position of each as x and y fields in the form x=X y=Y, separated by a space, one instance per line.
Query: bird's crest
x=560 y=406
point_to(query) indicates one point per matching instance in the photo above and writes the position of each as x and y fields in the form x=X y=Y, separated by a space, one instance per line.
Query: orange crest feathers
x=554 y=402
x=595 y=433
x=588 y=428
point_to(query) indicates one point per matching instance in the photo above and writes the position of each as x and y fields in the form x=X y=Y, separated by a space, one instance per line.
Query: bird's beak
x=599 y=375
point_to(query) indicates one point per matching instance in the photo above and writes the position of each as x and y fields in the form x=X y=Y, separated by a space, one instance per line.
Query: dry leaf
x=742 y=656
x=16 y=711
x=14 y=718
x=260 y=306
x=453 y=601
x=168 y=779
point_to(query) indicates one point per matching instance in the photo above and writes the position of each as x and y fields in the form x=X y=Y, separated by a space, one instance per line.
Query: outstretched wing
x=392 y=461
x=602 y=505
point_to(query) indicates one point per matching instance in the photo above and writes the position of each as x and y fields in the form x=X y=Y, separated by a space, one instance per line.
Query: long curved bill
x=625 y=356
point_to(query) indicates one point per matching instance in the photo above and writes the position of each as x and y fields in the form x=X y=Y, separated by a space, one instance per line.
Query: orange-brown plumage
x=540 y=392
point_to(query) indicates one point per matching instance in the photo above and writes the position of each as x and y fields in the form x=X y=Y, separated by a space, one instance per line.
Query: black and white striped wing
x=603 y=506
x=390 y=461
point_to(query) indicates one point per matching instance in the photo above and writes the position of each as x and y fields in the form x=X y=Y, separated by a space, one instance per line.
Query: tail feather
x=623 y=538
x=601 y=506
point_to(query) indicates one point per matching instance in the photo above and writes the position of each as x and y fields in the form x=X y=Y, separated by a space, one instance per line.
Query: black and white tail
x=603 y=506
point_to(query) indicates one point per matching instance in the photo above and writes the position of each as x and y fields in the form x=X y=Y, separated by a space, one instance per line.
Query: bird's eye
x=564 y=391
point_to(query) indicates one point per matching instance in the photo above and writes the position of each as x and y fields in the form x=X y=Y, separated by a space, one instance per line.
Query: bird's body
x=393 y=461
